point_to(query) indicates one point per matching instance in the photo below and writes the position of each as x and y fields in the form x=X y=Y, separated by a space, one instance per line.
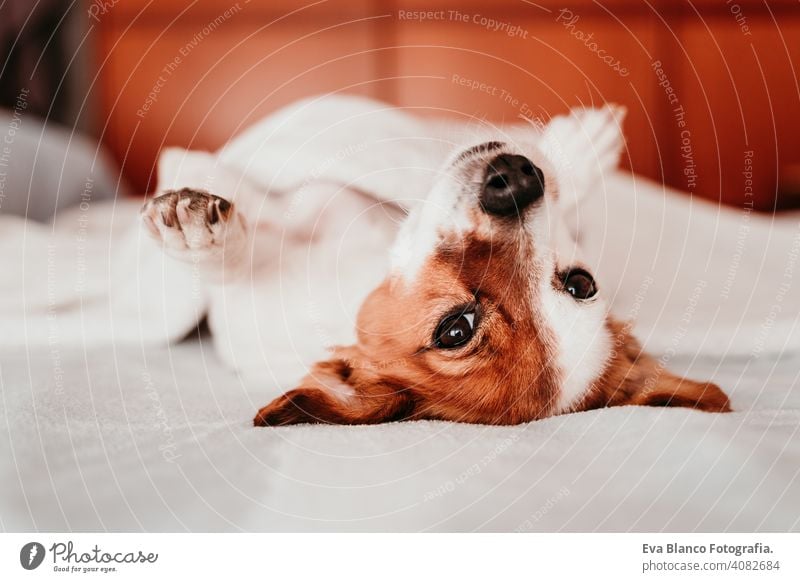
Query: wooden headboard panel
x=711 y=87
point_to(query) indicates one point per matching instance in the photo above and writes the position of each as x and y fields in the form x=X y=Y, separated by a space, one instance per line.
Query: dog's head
x=488 y=314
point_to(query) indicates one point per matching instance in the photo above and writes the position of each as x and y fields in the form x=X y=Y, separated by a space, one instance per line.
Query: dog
x=476 y=309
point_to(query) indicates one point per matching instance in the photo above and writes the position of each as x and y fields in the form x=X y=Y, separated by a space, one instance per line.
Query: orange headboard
x=710 y=86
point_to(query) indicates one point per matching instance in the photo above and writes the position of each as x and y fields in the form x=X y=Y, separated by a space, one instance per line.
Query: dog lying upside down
x=484 y=314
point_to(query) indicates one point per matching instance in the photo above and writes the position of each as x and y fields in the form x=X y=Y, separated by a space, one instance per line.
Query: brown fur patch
x=503 y=376
x=633 y=377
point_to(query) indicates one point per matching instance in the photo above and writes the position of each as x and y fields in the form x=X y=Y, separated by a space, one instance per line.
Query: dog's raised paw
x=189 y=220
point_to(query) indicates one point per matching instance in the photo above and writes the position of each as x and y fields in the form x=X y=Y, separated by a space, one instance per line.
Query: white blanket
x=106 y=430
x=160 y=439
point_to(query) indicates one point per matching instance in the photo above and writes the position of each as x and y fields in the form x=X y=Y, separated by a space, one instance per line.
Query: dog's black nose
x=510 y=185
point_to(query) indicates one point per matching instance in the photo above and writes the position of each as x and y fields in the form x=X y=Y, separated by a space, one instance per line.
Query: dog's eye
x=579 y=284
x=455 y=330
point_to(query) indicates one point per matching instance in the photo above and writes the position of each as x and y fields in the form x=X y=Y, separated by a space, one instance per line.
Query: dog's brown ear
x=337 y=393
x=674 y=391
x=633 y=377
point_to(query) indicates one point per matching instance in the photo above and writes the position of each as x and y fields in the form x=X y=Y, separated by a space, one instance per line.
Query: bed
x=161 y=440
x=106 y=426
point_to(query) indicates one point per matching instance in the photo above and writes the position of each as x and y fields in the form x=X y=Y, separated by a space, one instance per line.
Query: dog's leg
x=199 y=228
x=583 y=146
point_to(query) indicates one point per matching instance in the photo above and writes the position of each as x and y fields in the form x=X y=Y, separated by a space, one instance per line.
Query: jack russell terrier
x=469 y=311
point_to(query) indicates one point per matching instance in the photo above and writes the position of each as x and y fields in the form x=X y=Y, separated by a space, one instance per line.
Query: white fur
x=444 y=210
x=583 y=342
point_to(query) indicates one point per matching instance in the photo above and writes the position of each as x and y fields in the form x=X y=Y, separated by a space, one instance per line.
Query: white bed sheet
x=160 y=440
